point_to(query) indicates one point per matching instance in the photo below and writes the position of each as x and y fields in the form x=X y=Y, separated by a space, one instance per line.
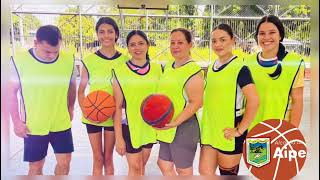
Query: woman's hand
x=121 y=146
x=230 y=133
x=172 y=124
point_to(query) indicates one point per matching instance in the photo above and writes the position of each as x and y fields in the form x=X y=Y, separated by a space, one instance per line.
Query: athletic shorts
x=184 y=146
x=36 y=146
x=238 y=146
x=94 y=129
x=127 y=139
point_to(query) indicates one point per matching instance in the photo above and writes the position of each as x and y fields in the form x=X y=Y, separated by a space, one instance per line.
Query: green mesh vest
x=44 y=90
x=100 y=78
x=172 y=84
x=273 y=94
x=135 y=89
x=219 y=105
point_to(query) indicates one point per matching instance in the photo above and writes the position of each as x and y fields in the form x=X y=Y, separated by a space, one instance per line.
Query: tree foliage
x=158 y=27
x=69 y=26
x=30 y=24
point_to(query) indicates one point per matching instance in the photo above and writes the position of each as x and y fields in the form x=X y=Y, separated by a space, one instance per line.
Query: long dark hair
x=282 y=50
x=110 y=21
x=141 y=34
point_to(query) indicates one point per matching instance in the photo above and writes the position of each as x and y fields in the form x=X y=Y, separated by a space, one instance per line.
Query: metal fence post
x=80 y=26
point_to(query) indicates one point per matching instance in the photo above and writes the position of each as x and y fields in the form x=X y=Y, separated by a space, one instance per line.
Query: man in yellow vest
x=42 y=96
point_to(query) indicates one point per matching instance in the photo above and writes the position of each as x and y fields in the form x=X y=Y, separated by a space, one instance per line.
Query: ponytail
x=281 y=54
x=147 y=56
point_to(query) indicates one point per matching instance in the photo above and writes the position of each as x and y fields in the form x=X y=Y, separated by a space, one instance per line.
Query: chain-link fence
x=77 y=24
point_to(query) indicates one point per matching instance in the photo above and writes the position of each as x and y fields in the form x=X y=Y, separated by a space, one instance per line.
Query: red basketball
x=98 y=106
x=285 y=144
x=157 y=110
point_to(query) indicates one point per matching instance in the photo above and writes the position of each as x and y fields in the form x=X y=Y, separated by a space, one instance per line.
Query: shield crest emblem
x=258 y=151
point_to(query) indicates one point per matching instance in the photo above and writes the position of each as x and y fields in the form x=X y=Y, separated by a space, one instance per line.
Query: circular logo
x=274 y=149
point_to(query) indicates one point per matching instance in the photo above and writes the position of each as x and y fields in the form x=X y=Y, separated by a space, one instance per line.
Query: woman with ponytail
x=278 y=75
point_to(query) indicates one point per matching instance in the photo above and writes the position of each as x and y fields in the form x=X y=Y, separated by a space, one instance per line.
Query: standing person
x=230 y=104
x=134 y=81
x=42 y=78
x=182 y=81
x=278 y=75
x=97 y=72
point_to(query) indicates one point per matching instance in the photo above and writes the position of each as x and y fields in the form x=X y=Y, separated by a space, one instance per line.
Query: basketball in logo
x=274 y=149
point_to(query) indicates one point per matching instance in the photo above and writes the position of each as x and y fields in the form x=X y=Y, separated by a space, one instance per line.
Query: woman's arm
x=296 y=106
x=194 y=90
x=251 y=95
x=118 y=96
x=83 y=84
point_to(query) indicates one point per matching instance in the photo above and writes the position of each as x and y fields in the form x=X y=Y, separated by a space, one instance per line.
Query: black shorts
x=238 y=140
x=94 y=129
x=127 y=139
x=36 y=146
x=238 y=145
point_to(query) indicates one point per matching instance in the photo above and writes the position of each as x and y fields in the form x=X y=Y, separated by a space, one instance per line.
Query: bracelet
x=237 y=129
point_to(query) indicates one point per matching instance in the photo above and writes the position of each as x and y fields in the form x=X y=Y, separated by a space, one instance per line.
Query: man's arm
x=20 y=127
x=72 y=94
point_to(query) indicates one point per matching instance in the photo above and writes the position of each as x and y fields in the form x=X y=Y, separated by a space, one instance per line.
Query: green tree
x=69 y=27
x=296 y=11
x=188 y=10
x=30 y=23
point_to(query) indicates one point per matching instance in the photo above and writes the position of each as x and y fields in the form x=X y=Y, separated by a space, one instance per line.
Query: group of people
x=236 y=93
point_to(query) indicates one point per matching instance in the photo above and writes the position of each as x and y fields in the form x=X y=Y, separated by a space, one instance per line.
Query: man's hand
x=21 y=129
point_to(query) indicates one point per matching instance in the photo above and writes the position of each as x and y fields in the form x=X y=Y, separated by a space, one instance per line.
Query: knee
x=108 y=160
x=98 y=158
x=65 y=163
x=108 y=157
x=36 y=165
x=164 y=167
x=160 y=165
x=144 y=164
x=65 y=166
x=205 y=171
x=136 y=167
x=35 y=168
x=185 y=172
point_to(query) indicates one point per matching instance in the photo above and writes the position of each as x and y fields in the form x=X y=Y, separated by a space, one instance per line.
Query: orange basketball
x=98 y=106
